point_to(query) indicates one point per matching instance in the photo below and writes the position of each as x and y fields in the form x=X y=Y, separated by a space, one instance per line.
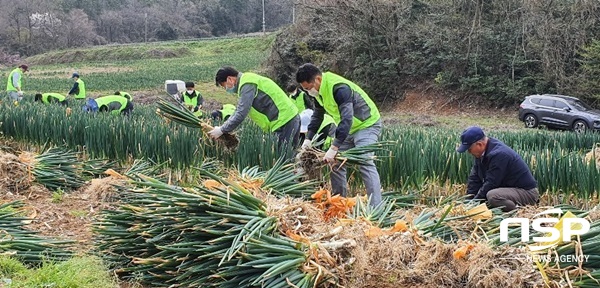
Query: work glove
x=330 y=155
x=215 y=132
x=196 y=109
x=20 y=93
x=306 y=144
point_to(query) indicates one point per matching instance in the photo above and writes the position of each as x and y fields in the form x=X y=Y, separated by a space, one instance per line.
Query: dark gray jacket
x=500 y=166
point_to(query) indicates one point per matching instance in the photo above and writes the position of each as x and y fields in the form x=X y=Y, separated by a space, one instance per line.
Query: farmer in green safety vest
x=300 y=98
x=263 y=101
x=125 y=94
x=225 y=113
x=48 y=98
x=78 y=90
x=325 y=133
x=13 y=83
x=357 y=119
x=192 y=99
x=115 y=104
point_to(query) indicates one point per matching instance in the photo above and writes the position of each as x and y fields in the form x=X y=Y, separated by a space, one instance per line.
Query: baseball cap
x=305 y=120
x=75 y=75
x=25 y=67
x=468 y=137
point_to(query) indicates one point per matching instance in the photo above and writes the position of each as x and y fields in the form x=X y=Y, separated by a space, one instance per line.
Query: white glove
x=330 y=155
x=306 y=144
x=20 y=93
x=215 y=133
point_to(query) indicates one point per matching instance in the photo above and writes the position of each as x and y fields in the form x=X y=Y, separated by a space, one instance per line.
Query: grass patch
x=57 y=196
x=143 y=67
x=107 y=53
x=78 y=213
x=159 y=50
x=210 y=91
x=81 y=272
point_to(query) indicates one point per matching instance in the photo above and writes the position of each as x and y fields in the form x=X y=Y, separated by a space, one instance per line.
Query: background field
x=143 y=68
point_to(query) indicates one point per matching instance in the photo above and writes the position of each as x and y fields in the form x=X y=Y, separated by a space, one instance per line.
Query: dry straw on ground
x=13 y=174
x=357 y=258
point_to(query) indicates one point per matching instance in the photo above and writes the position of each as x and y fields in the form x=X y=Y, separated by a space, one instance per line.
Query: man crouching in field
x=499 y=175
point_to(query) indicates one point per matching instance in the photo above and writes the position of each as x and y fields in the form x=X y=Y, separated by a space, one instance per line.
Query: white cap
x=305 y=120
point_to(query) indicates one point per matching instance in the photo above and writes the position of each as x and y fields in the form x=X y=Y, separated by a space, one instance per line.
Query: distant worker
x=125 y=94
x=224 y=113
x=263 y=101
x=325 y=133
x=300 y=98
x=114 y=104
x=499 y=175
x=13 y=84
x=48 y=98
x=192 y=99
x=78 y=90
x=358 y=124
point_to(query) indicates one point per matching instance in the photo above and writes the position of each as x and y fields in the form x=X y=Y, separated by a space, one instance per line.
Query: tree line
x=501 y=50
x=30 y=27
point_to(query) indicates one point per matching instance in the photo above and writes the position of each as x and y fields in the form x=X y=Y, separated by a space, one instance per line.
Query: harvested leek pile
x=219 y=237
x=187 y=118
x=26 y=245
x=234 y=232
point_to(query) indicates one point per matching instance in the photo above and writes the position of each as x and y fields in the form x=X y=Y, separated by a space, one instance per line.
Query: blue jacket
x=500 y=166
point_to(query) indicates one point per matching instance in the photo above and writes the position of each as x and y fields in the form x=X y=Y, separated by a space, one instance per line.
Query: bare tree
x=79 y=30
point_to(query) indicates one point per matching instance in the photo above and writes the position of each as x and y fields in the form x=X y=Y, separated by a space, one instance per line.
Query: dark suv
x=558 y=112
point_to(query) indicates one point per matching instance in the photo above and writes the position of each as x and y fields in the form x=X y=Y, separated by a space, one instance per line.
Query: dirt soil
x=427 y=107
x=431 y=102
x=67 y=217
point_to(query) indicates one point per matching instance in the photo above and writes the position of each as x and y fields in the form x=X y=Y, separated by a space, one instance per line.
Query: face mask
x=230 y=89
x=313 y=92
x=190 y=92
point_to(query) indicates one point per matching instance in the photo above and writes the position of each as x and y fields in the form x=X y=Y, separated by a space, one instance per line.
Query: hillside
x=142 y=69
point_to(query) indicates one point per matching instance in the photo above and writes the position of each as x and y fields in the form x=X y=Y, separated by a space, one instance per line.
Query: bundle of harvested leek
x=178 y=115
x=310 y=159
x=56 y=168
x=187 y=118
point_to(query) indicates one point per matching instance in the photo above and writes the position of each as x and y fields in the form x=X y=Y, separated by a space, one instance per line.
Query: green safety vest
x=273 y=111
x=106 y=100
x=227 y=111
x=126 y=95
x=46 y=97
x=365 y=111
x=81 y=94
x=299 y=101
x=192 y=101
x=9 y=83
